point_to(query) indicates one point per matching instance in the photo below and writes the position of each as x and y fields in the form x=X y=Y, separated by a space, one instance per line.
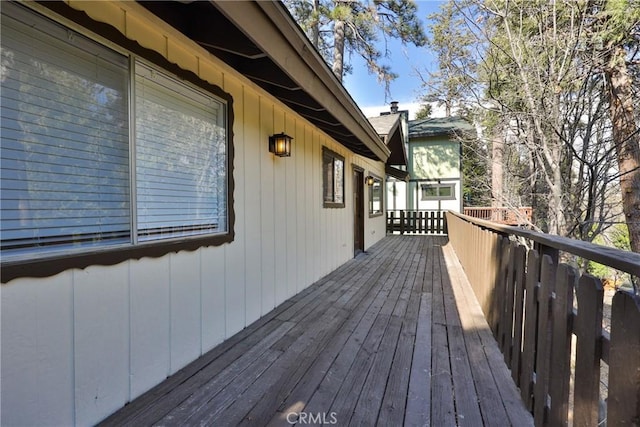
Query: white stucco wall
x=79 y=345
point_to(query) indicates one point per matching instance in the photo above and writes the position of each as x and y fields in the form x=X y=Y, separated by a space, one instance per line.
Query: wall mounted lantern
x=369 y=180
x=280 y=145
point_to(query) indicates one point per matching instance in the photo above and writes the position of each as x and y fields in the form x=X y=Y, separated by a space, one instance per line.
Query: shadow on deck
x=392 y=337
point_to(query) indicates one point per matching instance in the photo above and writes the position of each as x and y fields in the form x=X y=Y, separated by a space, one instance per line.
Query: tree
x=424 y=112
x=338 y=28
x=620 y=36
x=537 y=81
x=449 y=84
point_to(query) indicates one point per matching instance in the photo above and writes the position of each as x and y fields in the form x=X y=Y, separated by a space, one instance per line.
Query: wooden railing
x=548 y=320
x=509 y=216
x=416 y=222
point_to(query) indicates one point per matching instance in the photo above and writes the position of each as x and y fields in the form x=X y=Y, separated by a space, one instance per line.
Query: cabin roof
x=439 y=126
x=388 y=126
x=262 y=41
x=385 y=124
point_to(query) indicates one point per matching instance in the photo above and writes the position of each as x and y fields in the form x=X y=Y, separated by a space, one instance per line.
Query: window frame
x=49 y=264
x=381 y=182
x=328 y=154
x=438 y=186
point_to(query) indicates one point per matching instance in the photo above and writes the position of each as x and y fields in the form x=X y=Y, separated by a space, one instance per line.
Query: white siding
x=101 y=340
x=37 y=352
x=149 y=323
x=77 y=346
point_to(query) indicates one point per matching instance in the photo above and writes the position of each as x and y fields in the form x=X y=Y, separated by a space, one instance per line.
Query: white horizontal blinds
x=181 y=158
x=65 y=154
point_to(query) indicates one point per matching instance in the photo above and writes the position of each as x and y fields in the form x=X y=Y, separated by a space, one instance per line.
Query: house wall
x=434 y=160
x=79 y=345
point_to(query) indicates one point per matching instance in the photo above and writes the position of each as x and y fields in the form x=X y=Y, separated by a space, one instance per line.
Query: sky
x=406 y=89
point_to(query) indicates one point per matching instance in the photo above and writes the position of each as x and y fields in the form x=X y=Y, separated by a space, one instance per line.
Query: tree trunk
x=338 y=49
x=497 y=176
x=627 y=142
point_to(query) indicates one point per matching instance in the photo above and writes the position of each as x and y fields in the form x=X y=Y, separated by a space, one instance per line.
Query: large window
x=375 y=197
x=332 y=179
x=99 y=150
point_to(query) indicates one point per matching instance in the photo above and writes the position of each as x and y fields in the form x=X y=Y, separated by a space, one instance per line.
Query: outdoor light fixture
x=369 y=180
x=280 y=145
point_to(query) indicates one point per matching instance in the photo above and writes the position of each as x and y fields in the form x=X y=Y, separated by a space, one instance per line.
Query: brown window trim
x=47 y=266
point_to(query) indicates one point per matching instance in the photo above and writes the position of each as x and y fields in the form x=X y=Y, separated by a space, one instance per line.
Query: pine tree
x=340 y=28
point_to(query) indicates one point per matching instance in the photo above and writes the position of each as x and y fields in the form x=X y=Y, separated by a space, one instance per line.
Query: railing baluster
x=623 y=405
x=530 y=323
x=518 y=308
x=500 y=291
x=560 y=372
x=508 y=312
x=541 y=388
x=588 y=332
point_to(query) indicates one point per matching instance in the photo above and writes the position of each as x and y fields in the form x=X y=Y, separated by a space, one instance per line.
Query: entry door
x=358 y=211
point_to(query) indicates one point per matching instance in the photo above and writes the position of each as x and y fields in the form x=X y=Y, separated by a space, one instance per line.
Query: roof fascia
x=269 y=26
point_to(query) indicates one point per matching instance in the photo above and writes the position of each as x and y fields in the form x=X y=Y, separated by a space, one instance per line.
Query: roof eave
x=270 y=27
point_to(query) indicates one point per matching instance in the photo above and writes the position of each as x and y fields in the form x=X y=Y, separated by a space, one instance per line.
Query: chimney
x=394 y=107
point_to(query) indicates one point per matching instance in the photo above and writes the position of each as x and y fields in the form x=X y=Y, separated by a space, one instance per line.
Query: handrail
x=628 y=262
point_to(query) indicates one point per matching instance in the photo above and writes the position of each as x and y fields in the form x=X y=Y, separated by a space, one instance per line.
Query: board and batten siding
x=79 y=345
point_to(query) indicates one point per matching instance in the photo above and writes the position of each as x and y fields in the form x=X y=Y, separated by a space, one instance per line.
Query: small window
x=375 y=197
x=438 y=191
x=332 y=179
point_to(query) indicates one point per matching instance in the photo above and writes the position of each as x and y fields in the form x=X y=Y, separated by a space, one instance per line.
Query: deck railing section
x=509 y=216
x=416 y=221
x=547 y=319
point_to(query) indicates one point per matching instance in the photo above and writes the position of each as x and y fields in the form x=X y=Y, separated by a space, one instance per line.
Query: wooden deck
x=392 y=337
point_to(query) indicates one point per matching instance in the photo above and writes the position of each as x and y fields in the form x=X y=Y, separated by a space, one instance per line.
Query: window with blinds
x=180 y=158
x=85 y=166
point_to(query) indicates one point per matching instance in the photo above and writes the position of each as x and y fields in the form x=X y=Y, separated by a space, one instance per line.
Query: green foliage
x=424 y=112
x=453 y=43
x=476 y=181
x=617 y=237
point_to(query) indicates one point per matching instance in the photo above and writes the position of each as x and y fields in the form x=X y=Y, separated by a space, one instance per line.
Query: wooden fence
x=509 y=216
x=416 y=222
x=547 y=319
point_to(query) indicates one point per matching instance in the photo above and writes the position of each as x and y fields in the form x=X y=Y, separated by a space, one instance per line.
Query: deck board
x=392 y=337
